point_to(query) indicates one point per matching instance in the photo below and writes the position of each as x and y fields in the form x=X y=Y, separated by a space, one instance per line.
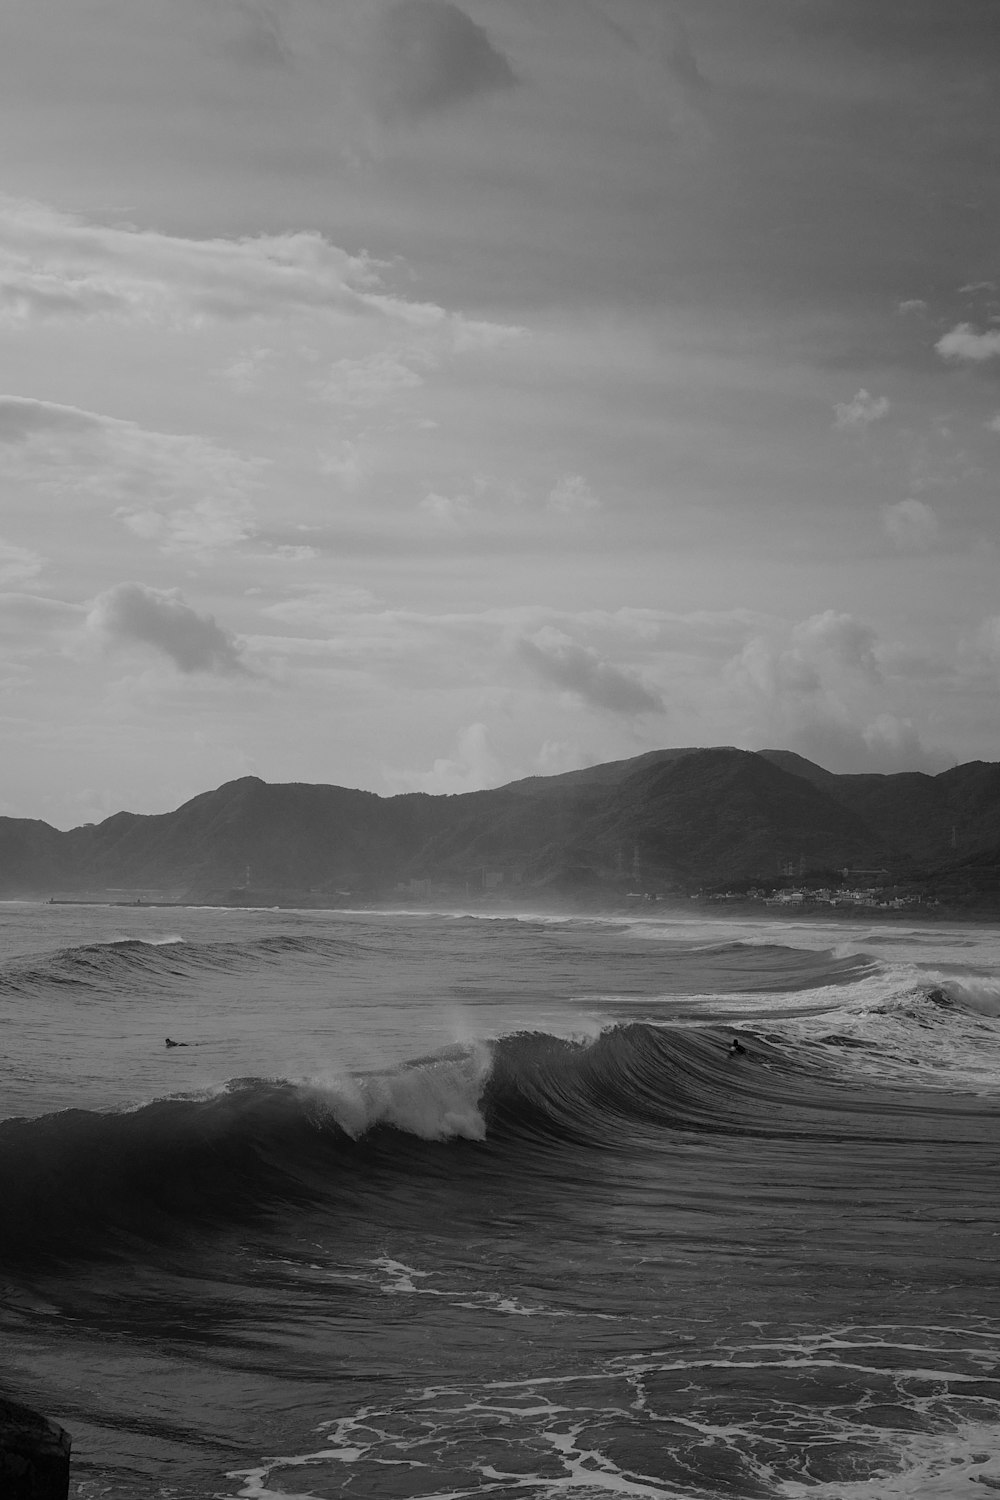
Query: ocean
x=430 y=1206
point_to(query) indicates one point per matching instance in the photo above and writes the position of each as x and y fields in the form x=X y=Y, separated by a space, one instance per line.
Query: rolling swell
x=80 y=1184
x=119 y=965
x=764 y=966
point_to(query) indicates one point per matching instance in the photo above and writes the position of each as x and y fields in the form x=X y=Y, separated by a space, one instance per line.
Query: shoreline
x=706 y=909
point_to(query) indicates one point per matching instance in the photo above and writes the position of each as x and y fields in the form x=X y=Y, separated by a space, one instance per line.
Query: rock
x=34 y=1455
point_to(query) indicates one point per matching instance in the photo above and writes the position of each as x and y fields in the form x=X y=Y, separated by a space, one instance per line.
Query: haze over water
x=450 y=1205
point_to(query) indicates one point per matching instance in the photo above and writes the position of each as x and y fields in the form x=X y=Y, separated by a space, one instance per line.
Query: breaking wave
x=83 y=1183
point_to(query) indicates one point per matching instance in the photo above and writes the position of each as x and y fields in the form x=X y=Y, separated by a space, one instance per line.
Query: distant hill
x=669 y=821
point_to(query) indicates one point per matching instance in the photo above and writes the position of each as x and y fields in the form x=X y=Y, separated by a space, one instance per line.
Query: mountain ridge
x=671 y=820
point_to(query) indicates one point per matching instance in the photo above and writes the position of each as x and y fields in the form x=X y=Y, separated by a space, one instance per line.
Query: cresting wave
x=81 y=1183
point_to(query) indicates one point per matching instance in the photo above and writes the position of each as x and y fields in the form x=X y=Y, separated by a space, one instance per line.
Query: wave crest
x=119 y=963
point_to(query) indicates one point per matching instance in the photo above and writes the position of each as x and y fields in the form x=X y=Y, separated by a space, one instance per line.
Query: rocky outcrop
x=34 y=1455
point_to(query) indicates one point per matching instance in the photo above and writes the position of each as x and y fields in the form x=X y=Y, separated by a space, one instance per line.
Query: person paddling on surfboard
x=175 y=1044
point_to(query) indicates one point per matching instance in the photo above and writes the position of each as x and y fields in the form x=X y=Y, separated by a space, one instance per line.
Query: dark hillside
x=667 y=820
x=295 y=835
x=31 y=856
x=609 y=773
x=730 y=814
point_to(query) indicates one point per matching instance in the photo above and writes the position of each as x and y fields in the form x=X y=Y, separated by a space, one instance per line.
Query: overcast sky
x=418 y=395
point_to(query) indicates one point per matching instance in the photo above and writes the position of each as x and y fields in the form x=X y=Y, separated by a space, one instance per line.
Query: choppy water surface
x=447 y=1206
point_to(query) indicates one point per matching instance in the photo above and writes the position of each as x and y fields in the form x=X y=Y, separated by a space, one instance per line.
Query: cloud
x=345 y=462
x=860 y=412
x=446 y=510
x=22 y=418
x=985 y=643
x=248 y=371
x=131 y=614
x=58 y=268
x=912 y=305
x=471 y=767
x=838 y=639
x=893 y=743
x=572 y=496
x=428 y=55
x=994 y=423
x=963 y=342
x=177 y=490
x=322 y=611
x=18 y=564
x=57 y=265
x=367 y=383
x=823 y=692
x=557 y=756
x=911 y=524
x=25 y=616
x=557 y=659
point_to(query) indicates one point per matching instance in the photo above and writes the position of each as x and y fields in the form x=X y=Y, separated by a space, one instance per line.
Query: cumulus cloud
x=821 y=689
x=130 y=614
x=428 y=55
x=860 y=412
x=893 y=744
x=964 y=343
x=558 y=756
x=177 y=490
x=911 y=524
x=559 y=660
x=471 y=767
x=912 y=305
x=838 y=639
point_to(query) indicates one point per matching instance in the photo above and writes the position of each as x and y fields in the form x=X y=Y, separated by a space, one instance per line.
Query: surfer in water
x=736 y=1048
x=175 y=1044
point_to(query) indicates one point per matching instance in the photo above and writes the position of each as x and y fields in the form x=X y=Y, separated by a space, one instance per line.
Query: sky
x=417 y=395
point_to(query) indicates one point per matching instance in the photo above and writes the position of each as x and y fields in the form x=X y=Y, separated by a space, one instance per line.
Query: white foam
x=437 y=1099
x=471 y=1429
x=401 y=1280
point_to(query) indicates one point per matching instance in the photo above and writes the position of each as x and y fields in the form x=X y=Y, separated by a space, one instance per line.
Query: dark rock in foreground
x=34 y=1455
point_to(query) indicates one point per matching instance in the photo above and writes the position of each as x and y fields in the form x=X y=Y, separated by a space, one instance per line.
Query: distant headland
x=766 y=830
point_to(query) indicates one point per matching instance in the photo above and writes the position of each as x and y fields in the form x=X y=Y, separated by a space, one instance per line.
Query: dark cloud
x=575 y=669
x=429 y=55
x=132 y=614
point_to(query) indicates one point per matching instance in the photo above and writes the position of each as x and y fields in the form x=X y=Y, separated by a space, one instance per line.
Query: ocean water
x=430 y=1206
